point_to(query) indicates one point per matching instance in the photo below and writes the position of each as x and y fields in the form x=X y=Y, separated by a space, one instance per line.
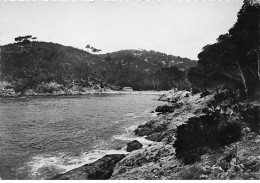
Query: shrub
x=201 y=134
x=204 y=93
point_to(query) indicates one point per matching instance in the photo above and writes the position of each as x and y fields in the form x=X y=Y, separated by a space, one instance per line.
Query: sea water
x=44 y=136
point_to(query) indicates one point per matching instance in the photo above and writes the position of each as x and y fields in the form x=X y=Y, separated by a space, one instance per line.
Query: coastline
x=158 y=161
x=93 y=92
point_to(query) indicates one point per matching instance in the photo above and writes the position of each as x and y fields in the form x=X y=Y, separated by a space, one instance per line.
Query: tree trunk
x=243 y=80
x=153 y=85
x=258 y=65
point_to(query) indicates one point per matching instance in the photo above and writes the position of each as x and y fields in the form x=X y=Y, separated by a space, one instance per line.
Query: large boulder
x=99 y=170
x=164 y=109
x=151 y=127
x=148 y=163
x=175 y=96
x=168 y=108
x=134 y=145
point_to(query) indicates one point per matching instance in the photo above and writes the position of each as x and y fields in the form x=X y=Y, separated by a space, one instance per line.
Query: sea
x=44 y=136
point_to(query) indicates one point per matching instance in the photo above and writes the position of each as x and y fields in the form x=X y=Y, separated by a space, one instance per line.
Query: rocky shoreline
x=55 y=89
x=176 y=153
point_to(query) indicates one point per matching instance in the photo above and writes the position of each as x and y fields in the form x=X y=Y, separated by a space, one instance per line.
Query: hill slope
x=26 y=65
x=152 y=60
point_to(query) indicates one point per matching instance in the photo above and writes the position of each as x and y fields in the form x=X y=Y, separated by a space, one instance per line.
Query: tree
x=92 y=49
x=234 y=59
x=25 y=39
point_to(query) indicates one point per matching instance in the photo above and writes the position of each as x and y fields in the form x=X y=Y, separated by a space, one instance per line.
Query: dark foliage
x=201 y=134
x=204 y=93
x=26 y=65
x=221 y=124
x=233 y=61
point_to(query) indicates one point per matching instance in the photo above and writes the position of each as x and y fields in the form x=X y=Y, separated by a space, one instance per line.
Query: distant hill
x=26 y=65
x=152 y=60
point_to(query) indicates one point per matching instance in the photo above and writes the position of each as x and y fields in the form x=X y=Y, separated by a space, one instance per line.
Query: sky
x=177 y=27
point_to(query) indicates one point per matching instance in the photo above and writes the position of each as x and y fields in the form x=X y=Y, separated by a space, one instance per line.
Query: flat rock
x=101 y=169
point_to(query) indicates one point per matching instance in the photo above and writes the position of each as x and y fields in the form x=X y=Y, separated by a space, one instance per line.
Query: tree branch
x=232 y=77
x=251 y=70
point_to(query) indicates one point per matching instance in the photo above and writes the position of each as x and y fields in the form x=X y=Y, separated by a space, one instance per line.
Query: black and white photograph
x=129 y=90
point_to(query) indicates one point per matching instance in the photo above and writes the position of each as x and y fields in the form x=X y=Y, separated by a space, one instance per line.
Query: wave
x=130 y=114
x=46 y=165
x=127 y=137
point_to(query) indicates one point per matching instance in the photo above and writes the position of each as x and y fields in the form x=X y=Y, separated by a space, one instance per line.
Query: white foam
x=154 y=114
x=127 y=137
x=130 y=129
x=61 y=163
x=130 y=114
x=134 y=117
x=115 y=122
x=41 y=164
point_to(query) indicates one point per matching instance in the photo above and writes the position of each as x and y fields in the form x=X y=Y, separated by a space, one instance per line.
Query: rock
x=246 y=130
x=151 y=127
x=217 y=170
x=173 y=96
x=134 y=145
x=204 y=93
x=29 y=92
x=154 y=137
x=151 y=162
x=168 y=108
x=206 y=169
x=163 y=97
x=165 y=108
x=194 y=91
x=167 y=123
x=203 y=176
x=99 y=170
x=257 y=141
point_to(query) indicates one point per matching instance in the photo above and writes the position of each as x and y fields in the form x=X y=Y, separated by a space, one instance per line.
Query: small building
x=128 y=89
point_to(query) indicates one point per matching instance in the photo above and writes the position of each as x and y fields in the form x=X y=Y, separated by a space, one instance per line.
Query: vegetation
x=233 y=61
x=25 y=39
x=233 y=64
x=146 y=70
x=221 y=125
x=29 y=63
x=91 y=48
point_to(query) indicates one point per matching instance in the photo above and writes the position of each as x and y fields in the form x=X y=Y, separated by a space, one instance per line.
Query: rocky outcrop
x=162 y=129
x=239 y=160
x=173 y=96
x=158 y=160
x=134 y=145
x=51 y=88
x=167 y=108
x=99 y=170
x=151 y=162
x=204 y=93
x=202 y=128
